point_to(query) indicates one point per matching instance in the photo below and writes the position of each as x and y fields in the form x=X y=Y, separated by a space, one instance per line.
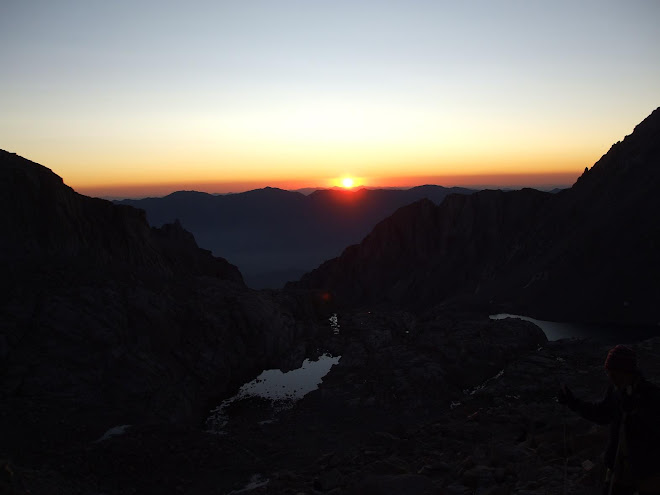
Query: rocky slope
x=597 y=245
x=425 y=253
x=46 y=223
x=106 y=321
x=587 y=253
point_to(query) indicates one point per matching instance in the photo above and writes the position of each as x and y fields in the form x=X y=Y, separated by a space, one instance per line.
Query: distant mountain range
x=590 y=252
x=274 y=235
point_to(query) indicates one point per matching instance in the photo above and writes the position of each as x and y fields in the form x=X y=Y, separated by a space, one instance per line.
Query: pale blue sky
x=112 y=92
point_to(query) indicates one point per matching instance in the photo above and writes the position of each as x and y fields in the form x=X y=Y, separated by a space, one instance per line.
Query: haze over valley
x=275 y=236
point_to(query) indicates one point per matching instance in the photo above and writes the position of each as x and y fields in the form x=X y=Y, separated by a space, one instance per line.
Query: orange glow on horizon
x=476 y=181
x=485 y=180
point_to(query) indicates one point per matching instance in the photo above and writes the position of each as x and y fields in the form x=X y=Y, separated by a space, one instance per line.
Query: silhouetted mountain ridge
x=452 y=242
x=45 y=221
x=588 y=253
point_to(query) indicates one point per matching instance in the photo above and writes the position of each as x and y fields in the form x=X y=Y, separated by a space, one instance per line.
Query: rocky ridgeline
x=585 y=254
x=425 y=253
x=47 y=225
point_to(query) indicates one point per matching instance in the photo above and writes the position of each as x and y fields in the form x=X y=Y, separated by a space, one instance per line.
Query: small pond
x=271 y=392
x=608 y=333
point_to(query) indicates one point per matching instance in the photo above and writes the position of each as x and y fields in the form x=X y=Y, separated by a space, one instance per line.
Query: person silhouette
x=631 y=407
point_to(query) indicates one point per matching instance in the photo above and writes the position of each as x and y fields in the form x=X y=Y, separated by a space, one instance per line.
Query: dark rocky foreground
x=381 y=423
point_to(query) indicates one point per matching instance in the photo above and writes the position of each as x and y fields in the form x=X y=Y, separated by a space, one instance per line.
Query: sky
x=135 y=98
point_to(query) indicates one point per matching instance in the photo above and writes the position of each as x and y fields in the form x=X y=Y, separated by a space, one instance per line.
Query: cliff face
x=106 y=321
x=587 y=253
x=425 y=253
x=596 y=245
x=45 y=221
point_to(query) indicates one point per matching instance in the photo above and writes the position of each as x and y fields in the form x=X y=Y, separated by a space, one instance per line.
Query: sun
x=347 y=182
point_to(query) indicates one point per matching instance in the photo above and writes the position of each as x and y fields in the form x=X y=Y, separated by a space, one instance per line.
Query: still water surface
x=282 y=389
x=555 y=330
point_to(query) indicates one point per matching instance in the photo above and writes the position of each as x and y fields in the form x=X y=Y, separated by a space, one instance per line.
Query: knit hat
x=621 y=358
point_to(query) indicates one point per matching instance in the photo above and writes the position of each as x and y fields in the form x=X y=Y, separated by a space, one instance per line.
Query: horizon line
x=541 y=181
